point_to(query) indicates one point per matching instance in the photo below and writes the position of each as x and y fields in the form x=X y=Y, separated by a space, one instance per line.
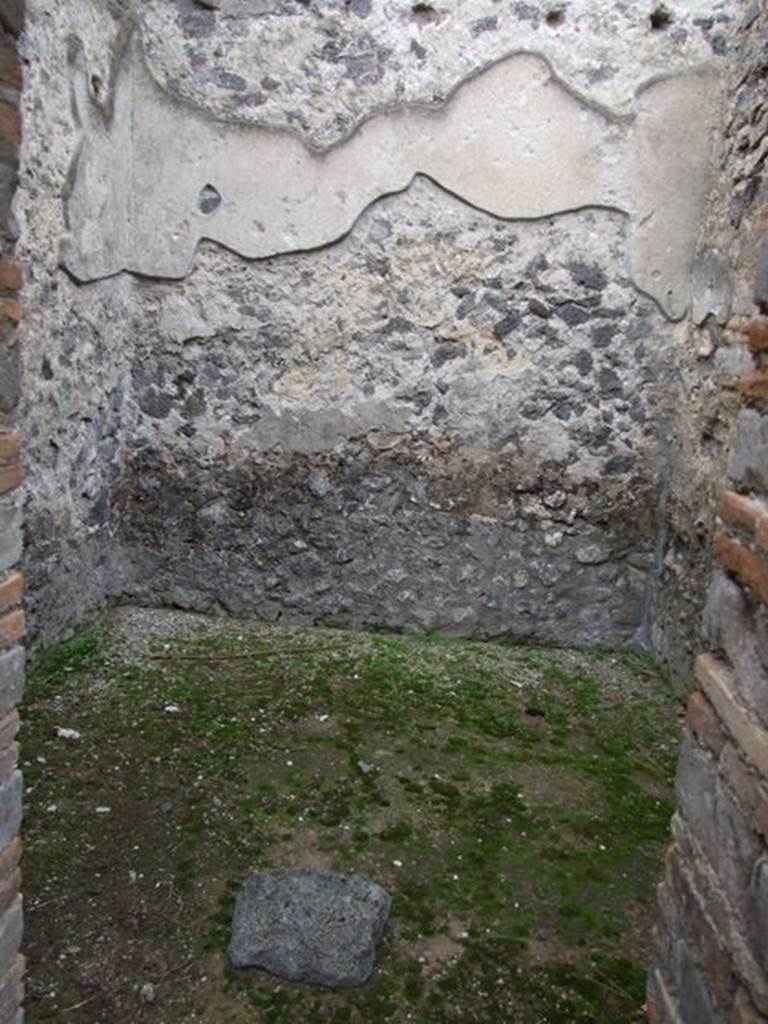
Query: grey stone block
x=757 y=913
x=11 y=521
x=11 y=929
x=12 y=15
x=761 y=273
x=10 y=808
x=9 y=181
x=695 y=1000
x=10 y=369
x=310 y=926
x=12 y=990
x=719 y=825
x=748 y=464
x=695 y=789
x=730 y=625
x=11 y=678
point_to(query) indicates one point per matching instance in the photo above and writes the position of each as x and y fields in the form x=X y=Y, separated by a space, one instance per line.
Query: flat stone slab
x=315 y=927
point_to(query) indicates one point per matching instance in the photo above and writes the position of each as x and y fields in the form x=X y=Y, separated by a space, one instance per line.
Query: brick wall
x=11 y=475
x=713 y=933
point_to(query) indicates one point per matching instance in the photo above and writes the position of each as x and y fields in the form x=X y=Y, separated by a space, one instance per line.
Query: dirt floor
x=514 y=801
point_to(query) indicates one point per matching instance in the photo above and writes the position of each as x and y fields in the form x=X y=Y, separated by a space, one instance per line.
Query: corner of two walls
x=712 y=936
x=446 y=419
x=712 y=357
x=74 y=339
x=12 y=623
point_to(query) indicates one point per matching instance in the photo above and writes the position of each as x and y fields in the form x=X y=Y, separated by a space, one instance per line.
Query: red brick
x=755 y=385
x=10 y=310
x=750 y=568
x=9 y=727
x=10 y=65
x=703 y=722
x=10 y=857
x=745 y=513
x=10 y=477
x=9 y=890
x=743 y=1011
x=11 y=590
x=756 y=332
x=12 y=627
x=10 y=447
x=10 y=275
x=651 y=1013
x=755 y=329
x=10 y=122
x=12 y=991
x=727 y=551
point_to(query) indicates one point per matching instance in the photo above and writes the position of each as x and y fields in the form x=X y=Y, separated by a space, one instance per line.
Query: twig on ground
x=242 y=656
x=70 y=1009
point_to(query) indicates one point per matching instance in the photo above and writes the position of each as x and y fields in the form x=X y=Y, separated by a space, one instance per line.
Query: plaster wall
x=433 y=384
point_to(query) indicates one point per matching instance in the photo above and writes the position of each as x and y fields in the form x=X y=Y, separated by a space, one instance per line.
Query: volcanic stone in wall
x=443 y=422
x=459 y=357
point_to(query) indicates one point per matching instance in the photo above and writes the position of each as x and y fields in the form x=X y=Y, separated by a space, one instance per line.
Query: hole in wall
x=209 y=199
x=660 y=18
x=424 y=13
x=555 y=16
x=96 y=86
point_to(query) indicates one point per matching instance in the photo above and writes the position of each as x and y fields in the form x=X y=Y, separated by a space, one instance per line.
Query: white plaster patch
x=512 y=141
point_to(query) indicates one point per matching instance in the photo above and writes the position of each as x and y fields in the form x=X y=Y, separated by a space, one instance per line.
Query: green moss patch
x=515 y=802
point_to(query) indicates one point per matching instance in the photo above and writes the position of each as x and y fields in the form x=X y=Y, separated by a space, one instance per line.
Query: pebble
x=148 y=992
x=67 y=734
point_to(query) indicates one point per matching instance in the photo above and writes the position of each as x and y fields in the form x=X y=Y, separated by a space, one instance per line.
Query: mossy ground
x=517 y=810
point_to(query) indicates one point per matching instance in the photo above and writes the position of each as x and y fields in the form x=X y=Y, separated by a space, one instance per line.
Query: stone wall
x=424 y=399
x=73 y=342
x=712 y=958
x=444 y=417
x=711 y=358
x=432 y=425
x=12 y=625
